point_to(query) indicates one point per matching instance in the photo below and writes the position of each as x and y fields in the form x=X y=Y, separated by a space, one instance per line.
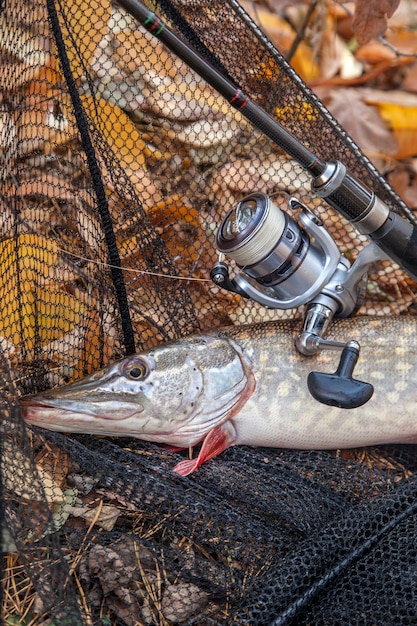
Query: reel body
x=285 y=264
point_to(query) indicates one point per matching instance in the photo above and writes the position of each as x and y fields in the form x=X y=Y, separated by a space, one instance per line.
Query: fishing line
x=132 y=269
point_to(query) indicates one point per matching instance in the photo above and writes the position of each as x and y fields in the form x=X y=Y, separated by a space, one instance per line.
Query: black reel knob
x=340 y=389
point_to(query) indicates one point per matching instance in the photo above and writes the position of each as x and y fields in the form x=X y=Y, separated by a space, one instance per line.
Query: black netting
x=118 y=163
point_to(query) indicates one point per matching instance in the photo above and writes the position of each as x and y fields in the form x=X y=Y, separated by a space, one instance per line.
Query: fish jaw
x=106 y=418
x=112 y=418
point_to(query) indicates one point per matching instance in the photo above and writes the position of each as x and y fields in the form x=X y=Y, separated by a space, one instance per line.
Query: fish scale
x=252 y=390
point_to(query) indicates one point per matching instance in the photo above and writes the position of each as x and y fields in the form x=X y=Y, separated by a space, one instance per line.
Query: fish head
x=172 y=394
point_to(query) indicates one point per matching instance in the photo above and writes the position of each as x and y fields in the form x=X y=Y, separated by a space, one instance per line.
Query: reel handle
x=341 y=389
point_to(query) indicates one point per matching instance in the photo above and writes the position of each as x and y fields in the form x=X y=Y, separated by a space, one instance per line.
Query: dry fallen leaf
x=180 y=227
x=43 y=124
x=83 y=27
x=32 y=311
x=17 y=472
x=124 y=139
x=104 y=516
x=86 y=345
x=370 y=19
x=120 y=132
x=281 y=33
x=54 y=461
x=366 y=126
x=180 y=601
x=399 y=111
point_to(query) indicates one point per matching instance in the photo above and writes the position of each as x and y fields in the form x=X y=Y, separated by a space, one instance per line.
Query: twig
x=301 y=31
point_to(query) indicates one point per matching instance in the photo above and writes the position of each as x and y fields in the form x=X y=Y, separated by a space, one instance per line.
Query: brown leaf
x=43 y=123
x=106 y=517
x=180 y=228
x=366 y=126
x=282 y=34
x=85 y=24
x=55 y=461
x=370 y=19
x=399 y=111
x=16 y=472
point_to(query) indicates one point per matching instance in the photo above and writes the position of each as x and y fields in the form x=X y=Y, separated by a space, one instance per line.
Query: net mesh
x=115 y=154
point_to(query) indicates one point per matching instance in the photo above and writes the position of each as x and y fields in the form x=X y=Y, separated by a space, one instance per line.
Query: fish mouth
x=41 y=410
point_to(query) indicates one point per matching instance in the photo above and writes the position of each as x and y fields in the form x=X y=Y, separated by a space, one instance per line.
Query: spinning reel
x=284 y=264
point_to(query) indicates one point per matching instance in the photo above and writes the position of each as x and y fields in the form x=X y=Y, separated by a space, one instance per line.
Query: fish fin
x=215 y=442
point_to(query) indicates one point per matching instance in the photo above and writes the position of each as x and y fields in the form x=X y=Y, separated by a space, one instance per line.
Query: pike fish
x=244 y=385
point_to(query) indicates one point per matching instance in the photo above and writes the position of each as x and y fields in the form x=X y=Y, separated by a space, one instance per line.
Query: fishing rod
x=352 y=199
x=285 y=264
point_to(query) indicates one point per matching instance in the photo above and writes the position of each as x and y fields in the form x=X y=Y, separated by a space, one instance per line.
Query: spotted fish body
x=244 y=385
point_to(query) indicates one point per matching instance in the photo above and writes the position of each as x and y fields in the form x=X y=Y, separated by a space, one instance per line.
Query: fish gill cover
x=115 y=154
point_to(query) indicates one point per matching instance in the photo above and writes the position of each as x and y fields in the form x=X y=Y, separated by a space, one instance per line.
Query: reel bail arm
x=220 y=276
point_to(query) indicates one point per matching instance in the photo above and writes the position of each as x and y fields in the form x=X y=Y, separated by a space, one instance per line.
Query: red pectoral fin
x=217 y=440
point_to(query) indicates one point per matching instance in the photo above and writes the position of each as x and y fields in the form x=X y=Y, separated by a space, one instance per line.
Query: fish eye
x=137 y=370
